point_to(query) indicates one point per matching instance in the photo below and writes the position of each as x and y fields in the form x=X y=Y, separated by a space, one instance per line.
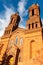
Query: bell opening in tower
x=32 y=12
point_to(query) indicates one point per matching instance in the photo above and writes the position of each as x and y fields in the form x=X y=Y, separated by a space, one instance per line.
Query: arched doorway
x=10 y=60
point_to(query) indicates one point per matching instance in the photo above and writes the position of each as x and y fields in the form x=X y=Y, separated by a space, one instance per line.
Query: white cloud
x=22 y=11
x=22 y=26
x=42 y=21
x=2 y=32
x=21 y=6
x=5 y=18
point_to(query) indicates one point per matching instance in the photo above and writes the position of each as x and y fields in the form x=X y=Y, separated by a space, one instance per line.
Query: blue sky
x=9 y=7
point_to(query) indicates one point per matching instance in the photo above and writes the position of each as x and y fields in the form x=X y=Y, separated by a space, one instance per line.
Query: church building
x=20 y=46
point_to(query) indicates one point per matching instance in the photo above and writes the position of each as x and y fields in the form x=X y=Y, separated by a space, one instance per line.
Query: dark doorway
x=6 y=62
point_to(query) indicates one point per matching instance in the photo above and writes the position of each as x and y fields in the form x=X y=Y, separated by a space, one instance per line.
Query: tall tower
x=34 y=21
x=13 y=25
x=34 y=27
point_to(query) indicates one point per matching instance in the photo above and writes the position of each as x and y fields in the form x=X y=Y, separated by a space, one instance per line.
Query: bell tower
x=34 y=28
x=34 y=21
x=13 y=25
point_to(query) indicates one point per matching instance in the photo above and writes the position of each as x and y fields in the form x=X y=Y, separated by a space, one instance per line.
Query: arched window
x=21 y=41
x=29 y=26
x=36 y=25
x=32 y=41
x=16 y=39
x=32 y=12
x=32 y=25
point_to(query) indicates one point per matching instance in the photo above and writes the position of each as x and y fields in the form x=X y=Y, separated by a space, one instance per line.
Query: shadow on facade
x=6 y=60
x=17 y=57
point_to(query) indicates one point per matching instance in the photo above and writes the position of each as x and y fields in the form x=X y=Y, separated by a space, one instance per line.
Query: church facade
x=20 y=46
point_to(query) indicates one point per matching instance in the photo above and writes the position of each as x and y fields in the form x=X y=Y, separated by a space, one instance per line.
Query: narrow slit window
x=16 y=39
x=32 y=12
x=21 y=41
x=29 y=26
x=32 y=25
x=36 y=25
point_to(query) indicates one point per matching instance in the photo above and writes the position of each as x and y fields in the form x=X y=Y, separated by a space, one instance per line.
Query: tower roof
x=14 y=15
x=34 y=6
